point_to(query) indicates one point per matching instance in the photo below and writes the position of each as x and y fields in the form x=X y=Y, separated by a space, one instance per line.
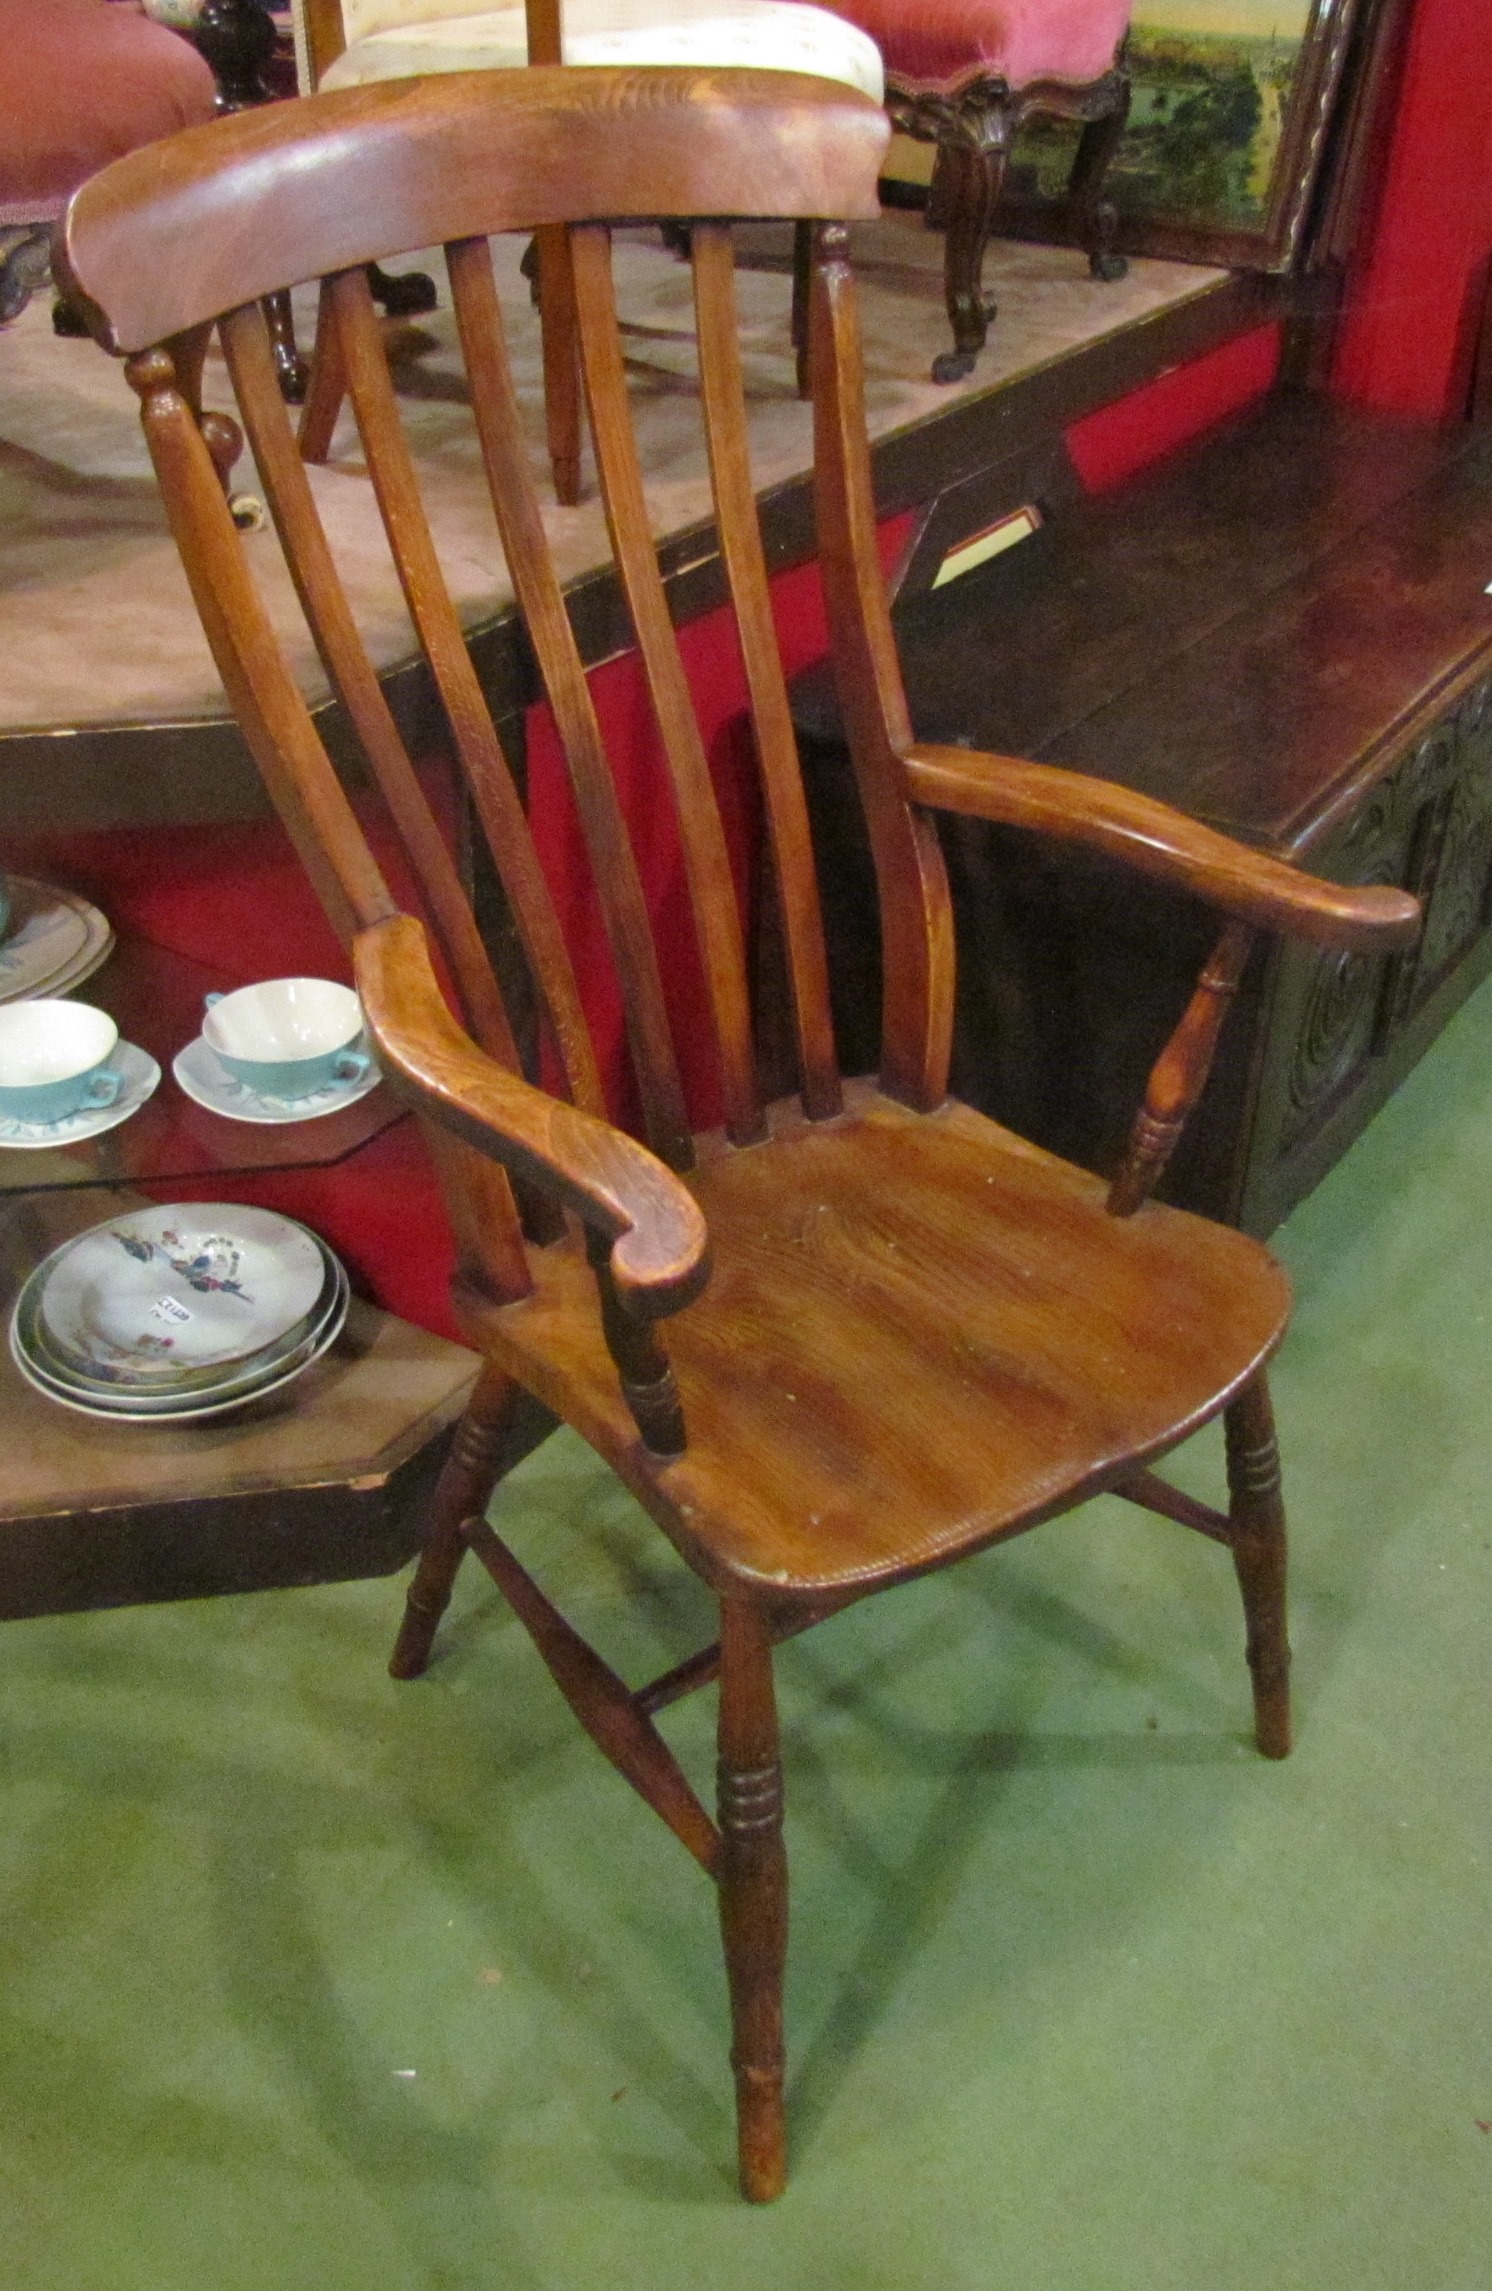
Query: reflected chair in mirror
x=352 y=43
x=838 y=1340
x=966 y=75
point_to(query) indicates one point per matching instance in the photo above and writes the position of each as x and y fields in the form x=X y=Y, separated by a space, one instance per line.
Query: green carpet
x=315 y=1983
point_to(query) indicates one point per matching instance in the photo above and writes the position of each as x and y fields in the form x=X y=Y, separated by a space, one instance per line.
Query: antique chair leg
x=402 y=294
x=1094 y=221
x=293 y=372
x=68 y=321
x=25 y=265
x=326 y=393
x=802 y=287
x=1257 y=1516
x=753 y=1893
x=461 y=1495
x=561 y=338
x=971 y=183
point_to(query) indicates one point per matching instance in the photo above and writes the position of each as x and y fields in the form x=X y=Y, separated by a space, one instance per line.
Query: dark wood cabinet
x=1286 y=632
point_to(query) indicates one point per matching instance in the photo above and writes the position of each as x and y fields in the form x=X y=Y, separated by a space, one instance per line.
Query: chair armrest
x=659 y=1239
x=1163 y=843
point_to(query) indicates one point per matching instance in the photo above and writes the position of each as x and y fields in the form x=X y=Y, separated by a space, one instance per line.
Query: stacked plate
x=166 y=1314
x=53 y=942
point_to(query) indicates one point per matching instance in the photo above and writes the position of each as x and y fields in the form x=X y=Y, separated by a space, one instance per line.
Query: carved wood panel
x=1340 y=1008
x=1453 y=864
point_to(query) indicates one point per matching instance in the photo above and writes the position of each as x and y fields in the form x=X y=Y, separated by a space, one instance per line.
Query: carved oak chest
x=1286 y=632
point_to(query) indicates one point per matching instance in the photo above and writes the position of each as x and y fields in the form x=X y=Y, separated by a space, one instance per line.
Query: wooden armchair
x=850 y=1336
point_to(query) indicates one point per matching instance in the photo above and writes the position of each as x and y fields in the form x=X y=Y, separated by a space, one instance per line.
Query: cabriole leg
x=1257 y=1514
x=461 y=1494
x=971 y=181
x=753 y=1894
x=1094 y=220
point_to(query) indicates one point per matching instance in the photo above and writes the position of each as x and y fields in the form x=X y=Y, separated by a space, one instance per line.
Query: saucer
x=54 y=942
x=204 y=1079
x=138 y=1075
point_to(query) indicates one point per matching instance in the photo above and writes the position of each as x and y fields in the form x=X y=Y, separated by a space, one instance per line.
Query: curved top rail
x=180 y=231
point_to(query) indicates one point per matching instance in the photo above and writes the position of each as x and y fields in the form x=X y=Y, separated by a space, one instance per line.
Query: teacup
x=53 y=1060
x=287 y=1037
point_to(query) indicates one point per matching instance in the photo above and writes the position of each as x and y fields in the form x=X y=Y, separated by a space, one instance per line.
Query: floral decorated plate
x=215 y=1402
x=153 y=1386
x=186 y=1286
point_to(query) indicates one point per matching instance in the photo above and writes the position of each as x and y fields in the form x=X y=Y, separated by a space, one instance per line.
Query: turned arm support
x=1157 y=841
x=644 y=1226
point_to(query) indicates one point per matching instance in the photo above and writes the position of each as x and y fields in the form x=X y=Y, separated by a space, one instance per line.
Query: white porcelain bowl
x=54 y=1059
x=287 y=1037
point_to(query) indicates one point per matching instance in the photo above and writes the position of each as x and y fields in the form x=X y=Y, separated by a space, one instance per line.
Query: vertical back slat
x=722 y=388
x=916 y=910
x=261 y=691
x=353 y=678
x=706 y=861
x=496 y=798
x=536 y=586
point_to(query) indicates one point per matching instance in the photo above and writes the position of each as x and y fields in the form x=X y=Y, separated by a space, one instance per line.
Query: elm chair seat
x=965 y=74
x=404 y=39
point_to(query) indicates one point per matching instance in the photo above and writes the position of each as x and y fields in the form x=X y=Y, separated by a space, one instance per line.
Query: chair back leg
x=1256 y=1514
x=561 y=340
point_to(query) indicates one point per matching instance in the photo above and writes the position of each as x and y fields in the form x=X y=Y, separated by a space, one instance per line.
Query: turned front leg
x=1257 y=1517
x=461 y=1494
x=753 y=1894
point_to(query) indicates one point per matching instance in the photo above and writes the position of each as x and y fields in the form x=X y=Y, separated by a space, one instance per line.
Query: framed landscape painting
x=1231 y=104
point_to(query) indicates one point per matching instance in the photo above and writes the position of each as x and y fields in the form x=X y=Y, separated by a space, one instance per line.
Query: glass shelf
x=156 y=997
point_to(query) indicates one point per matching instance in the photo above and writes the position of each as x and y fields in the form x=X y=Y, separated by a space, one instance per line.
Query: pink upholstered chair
x=85 y=81
x=964 y=74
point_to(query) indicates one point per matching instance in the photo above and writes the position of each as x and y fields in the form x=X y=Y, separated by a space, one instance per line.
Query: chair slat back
x=702 y=834
x=353 y=677
x=722 y=389
x=536 y=585
x=656 y=144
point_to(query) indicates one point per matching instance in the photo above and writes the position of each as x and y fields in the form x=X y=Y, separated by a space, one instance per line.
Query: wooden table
x=155 y=996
